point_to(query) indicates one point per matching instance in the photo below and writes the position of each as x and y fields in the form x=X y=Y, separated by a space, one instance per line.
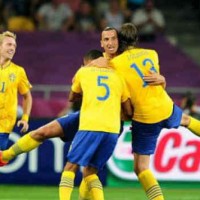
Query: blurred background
x=53 y=36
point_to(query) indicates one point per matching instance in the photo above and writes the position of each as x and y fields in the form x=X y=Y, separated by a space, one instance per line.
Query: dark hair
x=93 y=54
x=128 y=37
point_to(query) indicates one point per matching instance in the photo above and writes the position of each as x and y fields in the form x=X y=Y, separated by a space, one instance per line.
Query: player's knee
x=39 y=135
x=87 y=171
x=71 y=167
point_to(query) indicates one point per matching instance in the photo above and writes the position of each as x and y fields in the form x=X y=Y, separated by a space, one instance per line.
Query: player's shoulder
x=17 y=67
x=149 y=51
x=118 y=58
x=153 y=52
x=83 y=71
x=136 y=51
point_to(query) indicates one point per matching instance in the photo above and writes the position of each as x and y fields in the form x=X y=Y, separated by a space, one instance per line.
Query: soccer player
x=153 y=108
x=66 y=126
x=13 y=80
x=99 y=124
x=109 y=42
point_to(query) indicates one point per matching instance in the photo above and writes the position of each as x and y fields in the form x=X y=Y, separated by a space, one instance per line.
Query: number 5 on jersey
x=101 y=83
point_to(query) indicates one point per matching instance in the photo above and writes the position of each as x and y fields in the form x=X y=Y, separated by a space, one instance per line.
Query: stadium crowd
x=79 y=15
x=87 y=15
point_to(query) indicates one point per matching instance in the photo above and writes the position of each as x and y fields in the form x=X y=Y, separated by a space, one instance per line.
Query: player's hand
x=24 y=125
x=153 y=78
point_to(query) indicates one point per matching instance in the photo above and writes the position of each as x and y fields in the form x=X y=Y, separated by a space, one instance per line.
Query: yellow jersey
x=103 y=91
x=151 y=103
x=13 y=80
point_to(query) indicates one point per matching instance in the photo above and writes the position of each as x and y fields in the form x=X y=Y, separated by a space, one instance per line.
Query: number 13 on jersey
x=139 y=72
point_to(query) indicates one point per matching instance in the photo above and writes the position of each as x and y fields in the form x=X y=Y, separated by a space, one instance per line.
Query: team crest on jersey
x=12 y=77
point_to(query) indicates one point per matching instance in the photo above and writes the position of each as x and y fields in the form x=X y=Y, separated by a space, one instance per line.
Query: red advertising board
x=176 y=157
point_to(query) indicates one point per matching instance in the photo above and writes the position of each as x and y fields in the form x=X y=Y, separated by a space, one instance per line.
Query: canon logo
x=176 y=157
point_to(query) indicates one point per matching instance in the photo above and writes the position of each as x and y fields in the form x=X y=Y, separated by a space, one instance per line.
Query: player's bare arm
x=127 y=109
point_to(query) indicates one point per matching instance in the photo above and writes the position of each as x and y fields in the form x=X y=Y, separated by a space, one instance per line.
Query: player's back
x=151 y=103
x=102 y=93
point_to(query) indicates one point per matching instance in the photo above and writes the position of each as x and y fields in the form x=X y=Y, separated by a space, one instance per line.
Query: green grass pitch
x=20 y=192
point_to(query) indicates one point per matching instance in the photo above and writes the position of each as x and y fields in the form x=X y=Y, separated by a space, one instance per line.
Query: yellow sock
x=66 y=185
x=150 y=185
x=84 y=191
x=95 y=187
x=24 y=144
x=194 y=126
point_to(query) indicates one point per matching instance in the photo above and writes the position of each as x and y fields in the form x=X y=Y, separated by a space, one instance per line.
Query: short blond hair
x=7 y=34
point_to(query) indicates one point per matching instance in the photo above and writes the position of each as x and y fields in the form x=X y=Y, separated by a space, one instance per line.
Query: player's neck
x=110 y=56
x=4 y=63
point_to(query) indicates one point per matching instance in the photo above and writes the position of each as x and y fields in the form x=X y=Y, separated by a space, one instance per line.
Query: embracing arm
x=154 y=78
x=127 y=110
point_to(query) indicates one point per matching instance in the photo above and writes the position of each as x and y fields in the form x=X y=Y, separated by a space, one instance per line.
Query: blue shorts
x=69 y=124
x=91 y=148
x=4 y=141
x=144 y=136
